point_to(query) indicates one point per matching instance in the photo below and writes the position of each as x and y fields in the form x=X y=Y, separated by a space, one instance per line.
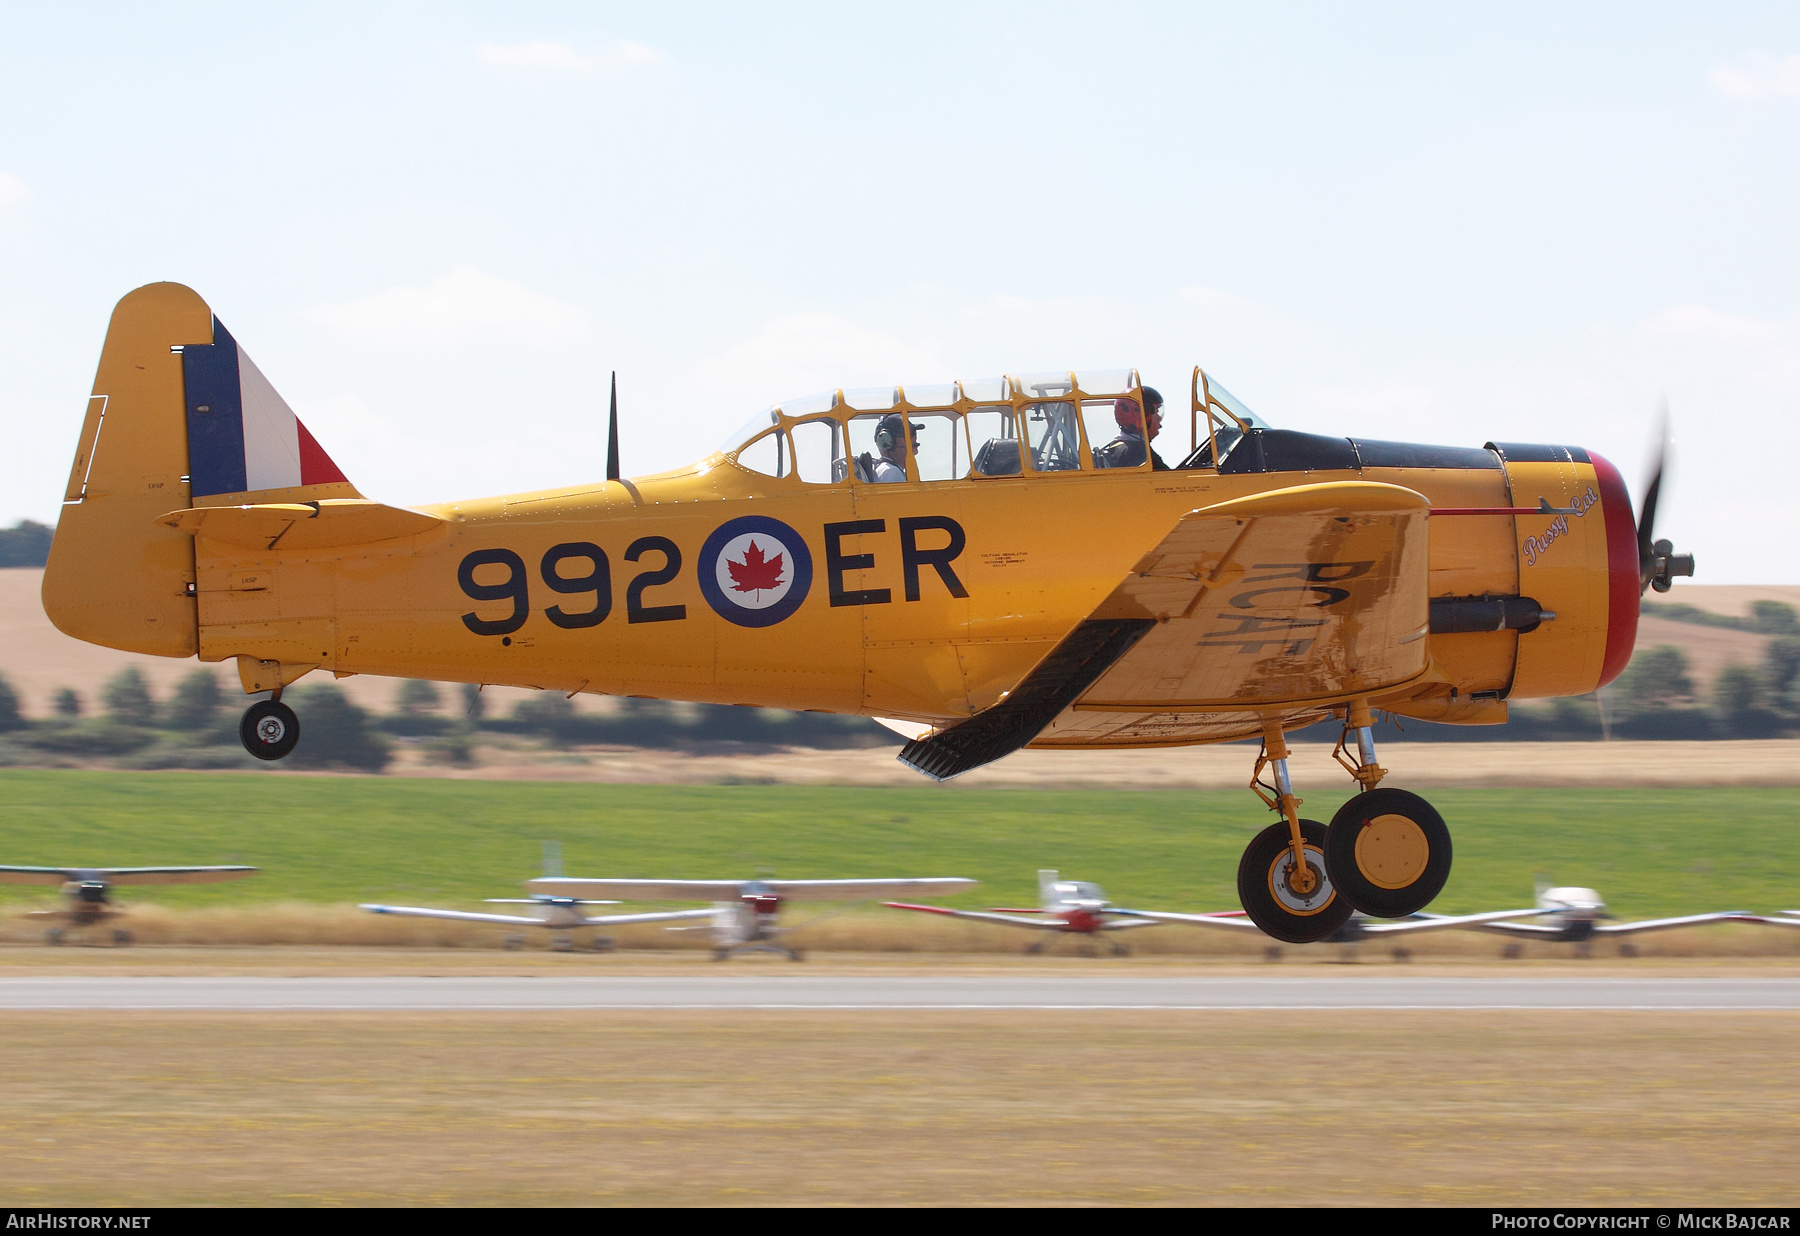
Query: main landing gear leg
x=1282 y=878
x=269 y=729
x=1388 y=851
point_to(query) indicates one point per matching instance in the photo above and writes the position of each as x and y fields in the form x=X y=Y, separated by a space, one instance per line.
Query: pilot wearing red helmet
x=1129 y=448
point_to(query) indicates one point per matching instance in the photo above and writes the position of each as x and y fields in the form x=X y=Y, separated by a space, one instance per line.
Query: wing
x=1293 y=598
x=1533 y=930
x=35 y=875
x=461 y=916
x=174 y=875
x=866 y=890
x=518 y=920
x=639 y=890
x=1438 y=922
x=655 y=916
x=985 y=916
x=1225 y=918
x=1787 y=919
x=1662 y=924
x=1120 y=924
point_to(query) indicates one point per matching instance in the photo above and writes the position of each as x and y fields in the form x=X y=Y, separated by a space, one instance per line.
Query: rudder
x=115 y=577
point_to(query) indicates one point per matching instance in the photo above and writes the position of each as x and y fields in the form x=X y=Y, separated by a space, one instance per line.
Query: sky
x=438 y=228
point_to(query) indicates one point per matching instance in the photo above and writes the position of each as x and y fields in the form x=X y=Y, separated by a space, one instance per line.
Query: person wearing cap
x=1132 y=445
x=890 y=440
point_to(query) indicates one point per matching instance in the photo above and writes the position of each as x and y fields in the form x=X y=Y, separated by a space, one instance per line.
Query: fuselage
x=201 y=518
x=873 y=623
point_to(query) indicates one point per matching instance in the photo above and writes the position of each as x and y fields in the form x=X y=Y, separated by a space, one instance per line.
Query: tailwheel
x=1388 y=853
x=1291 y=906
x=269 y=729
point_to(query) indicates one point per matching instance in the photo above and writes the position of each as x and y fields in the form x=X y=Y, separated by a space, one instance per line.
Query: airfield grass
x=1251 y=1108
x=337 y=840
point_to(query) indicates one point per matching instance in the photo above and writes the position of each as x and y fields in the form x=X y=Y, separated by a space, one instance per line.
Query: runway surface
x=790 y=991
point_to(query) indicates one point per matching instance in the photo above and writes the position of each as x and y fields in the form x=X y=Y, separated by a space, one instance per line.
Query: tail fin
x=244 y=444
x=179 y=415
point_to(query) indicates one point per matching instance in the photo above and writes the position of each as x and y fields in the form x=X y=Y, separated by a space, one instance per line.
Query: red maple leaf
x=755 y=573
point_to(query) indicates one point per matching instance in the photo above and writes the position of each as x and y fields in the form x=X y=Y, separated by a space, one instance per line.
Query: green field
x=346 y=839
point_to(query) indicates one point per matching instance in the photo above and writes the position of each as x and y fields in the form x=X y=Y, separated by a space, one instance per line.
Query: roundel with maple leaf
x=754 y=571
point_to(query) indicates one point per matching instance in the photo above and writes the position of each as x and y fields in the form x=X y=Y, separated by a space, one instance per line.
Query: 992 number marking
x=573 y=569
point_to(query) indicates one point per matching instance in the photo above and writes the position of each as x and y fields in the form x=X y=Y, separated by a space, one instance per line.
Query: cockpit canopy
x=1021 y=424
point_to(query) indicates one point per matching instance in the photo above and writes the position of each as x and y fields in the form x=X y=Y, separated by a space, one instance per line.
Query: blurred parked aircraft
x=1357 y=929
x=561 y=915
x=1070 y=907
x=745 y=913
x=1575 y=916
x=88 y=890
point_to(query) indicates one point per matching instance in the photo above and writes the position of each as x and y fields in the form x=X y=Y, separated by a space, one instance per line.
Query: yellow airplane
x=983 y=565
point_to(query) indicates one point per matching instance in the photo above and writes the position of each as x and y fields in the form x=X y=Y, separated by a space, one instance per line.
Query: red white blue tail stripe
x=242 y=436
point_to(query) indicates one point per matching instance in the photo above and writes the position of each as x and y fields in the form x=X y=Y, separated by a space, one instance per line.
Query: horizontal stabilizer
x=328 y=524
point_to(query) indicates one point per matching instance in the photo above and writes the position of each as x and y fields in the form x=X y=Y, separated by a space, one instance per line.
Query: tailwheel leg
x=1282 y=878
x=1388 y=851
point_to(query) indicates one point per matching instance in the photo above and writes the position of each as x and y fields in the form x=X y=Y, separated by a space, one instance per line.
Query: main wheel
x=1266 y=886
x=269 y=729
x=1388 y=853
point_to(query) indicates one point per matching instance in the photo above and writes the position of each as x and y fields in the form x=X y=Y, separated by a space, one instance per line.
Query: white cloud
x=12 y=192
x=465 y=306
x=1761 y=77
x=560 y=57
x=1209 y=298
x=1702 y=324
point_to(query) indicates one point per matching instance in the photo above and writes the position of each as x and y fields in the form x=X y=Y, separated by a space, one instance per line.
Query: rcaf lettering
x=512 y=589
x=1300 y=585
x=912 y=557
x=1310 y=577
x=595 y=574
x=837 y=562
x=635 y=609
x=1288 y=647
x=597 y=581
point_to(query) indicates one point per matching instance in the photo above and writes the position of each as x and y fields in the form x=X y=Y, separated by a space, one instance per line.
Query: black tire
x=1416 y=853
x=1274 y=906
x=269 y=729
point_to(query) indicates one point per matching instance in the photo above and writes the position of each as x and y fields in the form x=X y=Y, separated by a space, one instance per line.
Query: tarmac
x=874 y=993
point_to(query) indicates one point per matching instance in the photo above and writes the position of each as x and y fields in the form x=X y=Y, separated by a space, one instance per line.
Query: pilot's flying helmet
x=1125 y=411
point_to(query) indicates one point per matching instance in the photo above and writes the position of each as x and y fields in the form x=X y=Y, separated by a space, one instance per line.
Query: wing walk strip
x=1083 y=655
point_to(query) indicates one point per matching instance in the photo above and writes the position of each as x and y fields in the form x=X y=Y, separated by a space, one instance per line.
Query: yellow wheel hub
x=1392 y=851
